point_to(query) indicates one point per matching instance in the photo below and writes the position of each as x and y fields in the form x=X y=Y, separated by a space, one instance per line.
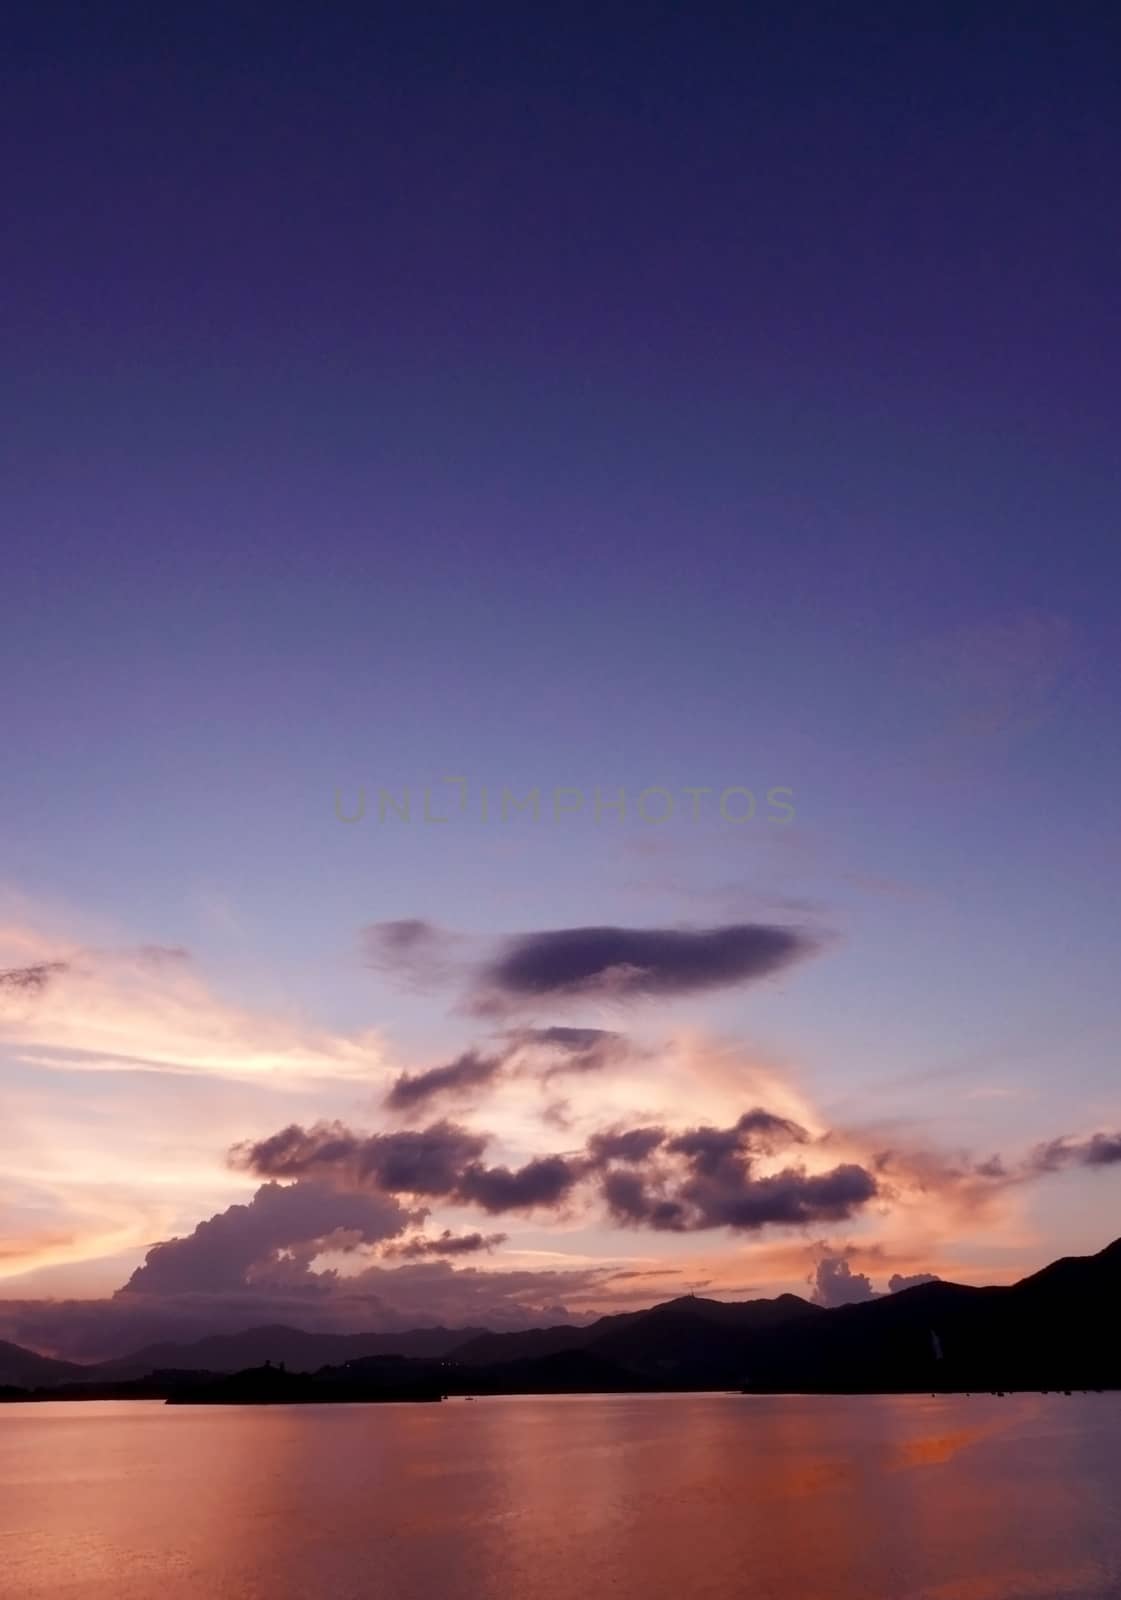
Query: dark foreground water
x=562 y=1499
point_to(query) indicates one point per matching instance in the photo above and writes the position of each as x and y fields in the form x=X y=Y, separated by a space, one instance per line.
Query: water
x=878 y=1498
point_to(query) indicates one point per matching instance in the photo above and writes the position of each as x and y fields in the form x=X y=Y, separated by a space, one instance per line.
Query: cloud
x=632 y=963
x=445 y=1244
x=1099 y=1150
x=900 y=1280
x=709 y=1149
x=417 y=954
x=836 y=1284
x=792 y=1197
x=544 y=1181
x=30 y=981
x=573 y=1050
x=625 y=1144
x=227 y=1249
x=468 y=1071
x=441 y=1161
x=566 y=964
x=521 y=1053
x=707 y=1177
x=148 y=1008
x=704 y=1178
x=427 y=1162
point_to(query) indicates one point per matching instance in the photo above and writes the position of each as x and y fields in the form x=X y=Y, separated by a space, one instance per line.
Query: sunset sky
x=439 y=400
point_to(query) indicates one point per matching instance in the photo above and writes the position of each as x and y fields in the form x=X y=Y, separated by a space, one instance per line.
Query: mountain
x=628 y=1334
x=296 y=1349
x=22 y=1368
x=1053 y=1330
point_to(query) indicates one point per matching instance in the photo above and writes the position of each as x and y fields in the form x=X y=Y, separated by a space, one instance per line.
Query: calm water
x=554 y=1499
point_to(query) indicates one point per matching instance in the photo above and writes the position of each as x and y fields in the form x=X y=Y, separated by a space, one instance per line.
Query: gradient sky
x=704 y=396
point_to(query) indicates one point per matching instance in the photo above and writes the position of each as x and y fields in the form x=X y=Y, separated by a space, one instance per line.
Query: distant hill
x=22 y=1368
x=298 y=1350
x=1056 y=1329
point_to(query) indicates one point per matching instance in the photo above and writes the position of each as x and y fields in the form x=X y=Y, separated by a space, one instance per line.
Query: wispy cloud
x=150 y=1009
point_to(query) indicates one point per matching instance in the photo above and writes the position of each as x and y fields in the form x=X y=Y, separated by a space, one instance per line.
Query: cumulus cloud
x=707 y=1177
x=701 y=1178
x=428 y=1161
x=441 y=1161
x=836 y=1284
x=633 y=963
x=625 y=1144
x=900 y=1280
x=544 y=1181
x=226 y=1250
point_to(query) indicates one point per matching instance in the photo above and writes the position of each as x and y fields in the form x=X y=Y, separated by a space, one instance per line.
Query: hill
x=296 y=1349
x=22 y=1368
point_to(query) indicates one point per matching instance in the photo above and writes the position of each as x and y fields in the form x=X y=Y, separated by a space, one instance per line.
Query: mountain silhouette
x=1056 y=1329
x=298 y=1350
x=24 y=1368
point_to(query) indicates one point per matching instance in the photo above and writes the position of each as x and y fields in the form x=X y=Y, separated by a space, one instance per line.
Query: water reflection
x=910 y=1498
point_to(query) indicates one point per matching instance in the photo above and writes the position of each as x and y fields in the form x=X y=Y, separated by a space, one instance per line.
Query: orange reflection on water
x=641 y=1496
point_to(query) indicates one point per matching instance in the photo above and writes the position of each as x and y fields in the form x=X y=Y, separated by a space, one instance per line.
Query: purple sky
x=653 y=396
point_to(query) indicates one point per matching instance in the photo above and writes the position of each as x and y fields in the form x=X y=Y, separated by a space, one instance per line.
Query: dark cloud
x=631 y=1201
x=711 y=1150
x=1103 y=1150
x=225 y=1250
x=1099 y=1150
x=702 y=1178
x=544 y=1182
x=30 y=981
x=445 y=1244
x=836 y=1284
x=439 y=1161
x=625 y=1144
x=565 y=1050
x=468 y=1071
x=428 y=1161
x=763 y=1130
x=706 y=1178
x=633 y=963
x=900 y=1280
x=791 y=1197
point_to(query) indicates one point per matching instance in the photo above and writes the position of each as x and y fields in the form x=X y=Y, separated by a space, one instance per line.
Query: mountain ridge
x=1054 y=1328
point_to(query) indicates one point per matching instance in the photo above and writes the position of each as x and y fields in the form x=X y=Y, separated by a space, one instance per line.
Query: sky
x=560 y=649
